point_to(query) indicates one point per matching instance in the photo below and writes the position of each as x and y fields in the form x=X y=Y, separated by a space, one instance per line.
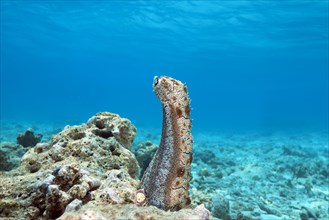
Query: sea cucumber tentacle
x=166 y=180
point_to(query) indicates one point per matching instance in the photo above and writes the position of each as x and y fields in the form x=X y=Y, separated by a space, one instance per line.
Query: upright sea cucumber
x=166 y=181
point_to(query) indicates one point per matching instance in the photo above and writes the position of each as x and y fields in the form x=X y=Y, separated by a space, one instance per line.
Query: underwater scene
x=161 y=110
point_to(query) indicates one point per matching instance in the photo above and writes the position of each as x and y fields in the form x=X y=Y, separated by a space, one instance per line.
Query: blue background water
x=247 y=64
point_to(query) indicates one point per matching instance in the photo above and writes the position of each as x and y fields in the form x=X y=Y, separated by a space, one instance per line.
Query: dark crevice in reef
x=100 y=124
x=78 y=136
x=103 y=133
x=114 y=151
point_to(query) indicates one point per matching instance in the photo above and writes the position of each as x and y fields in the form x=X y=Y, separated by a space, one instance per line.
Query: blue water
x=247 y=64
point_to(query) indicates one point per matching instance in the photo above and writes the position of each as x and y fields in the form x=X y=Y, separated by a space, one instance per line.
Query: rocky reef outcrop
x=102 y=144
x=89 y=162
x=86 y=170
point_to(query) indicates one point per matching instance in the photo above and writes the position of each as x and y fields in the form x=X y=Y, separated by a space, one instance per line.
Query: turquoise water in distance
x=247 y=64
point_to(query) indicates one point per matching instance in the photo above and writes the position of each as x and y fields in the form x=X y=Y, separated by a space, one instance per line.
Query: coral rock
x=93 y=144
x=111 y=125
x=74 y=205
x=202 y=212
x=28 y=138
x=133 y=212
x=76 y=168
x=56 y=201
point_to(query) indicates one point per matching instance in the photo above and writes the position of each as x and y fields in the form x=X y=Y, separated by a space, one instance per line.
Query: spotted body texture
x=166 y=180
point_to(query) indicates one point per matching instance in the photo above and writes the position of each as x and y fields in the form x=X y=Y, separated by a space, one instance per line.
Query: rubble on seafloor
x=85 y=172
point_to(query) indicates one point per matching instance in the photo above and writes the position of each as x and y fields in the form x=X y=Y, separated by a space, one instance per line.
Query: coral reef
x=111 y=125
x=28 y=138
x=98 y=145
x=166 y=180
x=66 y=173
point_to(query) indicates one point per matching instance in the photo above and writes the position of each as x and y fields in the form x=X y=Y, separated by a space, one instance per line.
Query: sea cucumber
x=166 y=181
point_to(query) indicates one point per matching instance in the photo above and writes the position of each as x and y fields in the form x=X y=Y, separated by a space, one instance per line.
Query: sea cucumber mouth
x=155 y=81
